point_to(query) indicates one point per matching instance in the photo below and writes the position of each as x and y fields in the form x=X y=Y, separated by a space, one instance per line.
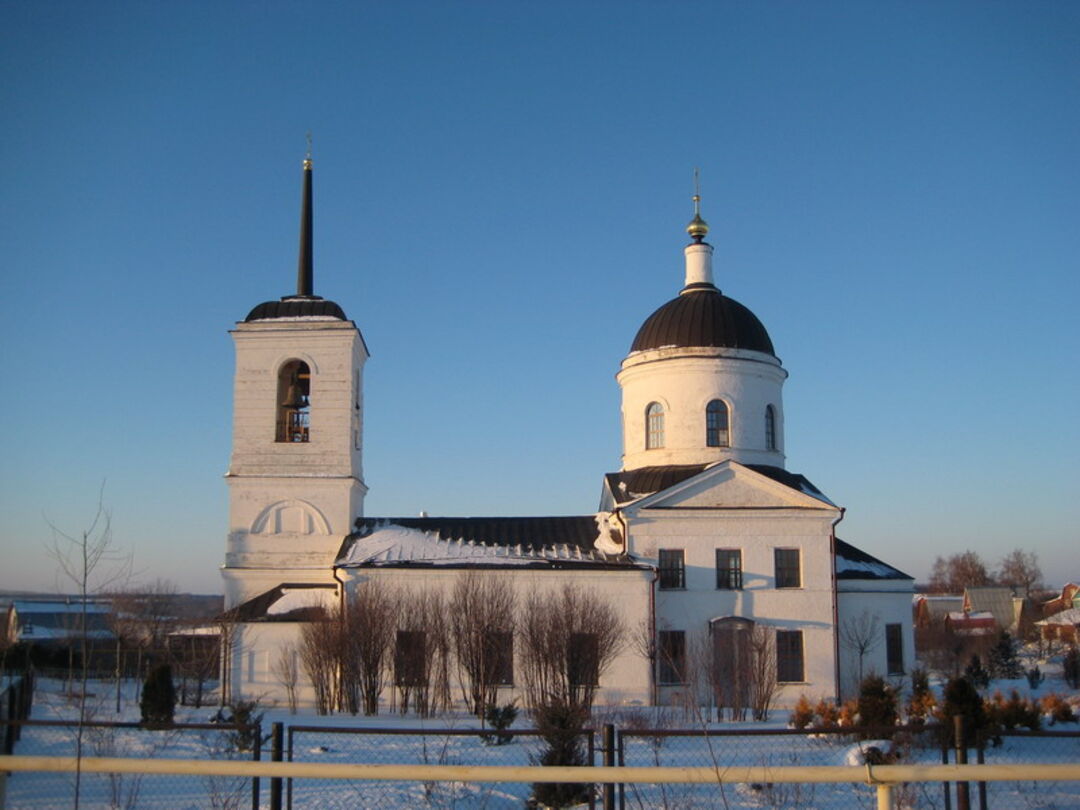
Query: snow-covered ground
x=428 y=741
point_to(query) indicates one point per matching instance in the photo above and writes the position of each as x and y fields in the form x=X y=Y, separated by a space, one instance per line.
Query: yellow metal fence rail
x=881 y=777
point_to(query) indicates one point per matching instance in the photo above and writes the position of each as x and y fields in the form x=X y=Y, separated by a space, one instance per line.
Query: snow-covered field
x=427 y=741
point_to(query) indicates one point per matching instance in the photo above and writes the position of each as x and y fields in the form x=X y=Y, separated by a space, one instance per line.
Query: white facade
x=291 y=504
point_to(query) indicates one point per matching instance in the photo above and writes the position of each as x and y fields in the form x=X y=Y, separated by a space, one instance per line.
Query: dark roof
x=292 y=306
x=702 y=316
x=647 y=480
x=854 y=563
x=256 y=608
x=528 y=532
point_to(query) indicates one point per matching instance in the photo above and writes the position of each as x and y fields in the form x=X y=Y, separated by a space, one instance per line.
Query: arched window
x=770 y=428
x=293 y=403
x=716 y=424
x=654 y=426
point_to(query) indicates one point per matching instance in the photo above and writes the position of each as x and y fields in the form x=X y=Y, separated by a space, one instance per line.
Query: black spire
x=304 y=269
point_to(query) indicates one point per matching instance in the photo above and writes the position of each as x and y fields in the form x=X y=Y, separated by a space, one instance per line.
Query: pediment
x=730 y=485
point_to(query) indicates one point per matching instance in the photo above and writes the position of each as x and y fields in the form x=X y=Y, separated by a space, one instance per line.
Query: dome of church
x=703 y=316
x=310 y=306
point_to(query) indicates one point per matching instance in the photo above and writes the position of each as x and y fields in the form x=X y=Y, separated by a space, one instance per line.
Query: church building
x=703 y=539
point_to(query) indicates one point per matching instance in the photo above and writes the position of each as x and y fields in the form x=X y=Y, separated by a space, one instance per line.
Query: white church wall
x=884 y=602
x=808 y=608
x=626 y=681
x=256 y=649
x=685 y=382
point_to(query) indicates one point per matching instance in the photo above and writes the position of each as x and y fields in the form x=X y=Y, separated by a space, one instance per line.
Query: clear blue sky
x=501 y=190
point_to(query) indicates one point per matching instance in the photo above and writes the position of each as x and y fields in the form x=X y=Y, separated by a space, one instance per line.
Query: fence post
x=288 y=790
x=276 y=750
x=946 y=790
x=980 y=757
x=609 y=761
x=256 y=755
x=963 y=797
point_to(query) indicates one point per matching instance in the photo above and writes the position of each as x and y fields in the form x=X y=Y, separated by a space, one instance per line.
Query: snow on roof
x=391 y=544
x=299 y=598
x=1067 y=618
x=854 y=563
x=979 y=615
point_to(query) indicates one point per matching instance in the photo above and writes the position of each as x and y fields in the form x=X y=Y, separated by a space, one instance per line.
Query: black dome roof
x=297 y=307
x=702 y=316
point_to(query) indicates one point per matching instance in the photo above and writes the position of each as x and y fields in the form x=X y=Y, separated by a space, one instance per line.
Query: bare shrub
x=286 y=669
x=483 y=606
x=568 y=638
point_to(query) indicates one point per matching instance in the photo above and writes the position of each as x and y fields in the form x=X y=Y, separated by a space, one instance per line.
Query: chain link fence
x=928 y=745
x=117 y=791
x=424 y=747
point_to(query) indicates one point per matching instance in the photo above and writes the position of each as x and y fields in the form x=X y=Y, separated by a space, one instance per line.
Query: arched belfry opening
x=294 y=402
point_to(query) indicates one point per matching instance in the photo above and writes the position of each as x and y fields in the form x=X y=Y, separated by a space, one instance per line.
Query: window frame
x=780 y=567
x=790 y=656
x=583 y=660
x=410 y=660
x=654 y=426
x=894 y=649
x=770 y=428
x=671 y=657
x=721 y=433
x=293 y=425
x=499 y=657
x=677 y=571
x=732 y=579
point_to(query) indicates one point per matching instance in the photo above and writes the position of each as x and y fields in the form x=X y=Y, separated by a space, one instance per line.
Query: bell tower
x=296 y=482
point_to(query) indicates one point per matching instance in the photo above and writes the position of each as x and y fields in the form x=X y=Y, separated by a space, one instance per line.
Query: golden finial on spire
x=307 y=159
x=697 y=227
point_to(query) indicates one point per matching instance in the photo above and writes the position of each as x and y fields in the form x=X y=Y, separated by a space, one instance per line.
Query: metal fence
x=16 y=700
x=431 y=746
x=924 y=745
x=62 y=738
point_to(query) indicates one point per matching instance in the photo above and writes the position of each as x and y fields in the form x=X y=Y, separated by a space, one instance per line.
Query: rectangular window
x=789 y=656
x=788 y=574
x=729 y=569
x=672 y=569
x=499 y=658
x=894 y=648
x=410 y=658
x=583 y=659
x=672 y=652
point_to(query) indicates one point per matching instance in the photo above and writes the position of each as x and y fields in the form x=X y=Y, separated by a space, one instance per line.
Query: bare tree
x=320 y=641
x=861 y=635
x=287 y=671
x=763 y=677
x=370 y=628
x=483 y=606
x=421 y=650
x=568 y=638
x=959 y=571
x=89 y=561
x=1020 y=569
